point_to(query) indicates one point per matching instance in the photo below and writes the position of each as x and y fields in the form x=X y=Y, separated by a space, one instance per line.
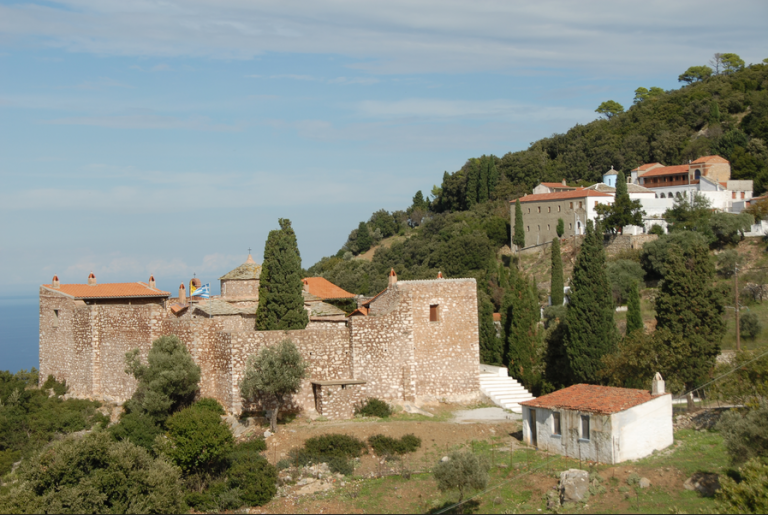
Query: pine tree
x=634 y=316
x=490 y=344
x=520 y=319
x=590 y=331
x=689 y=305
x=364 y=239
x=482 y=181
x=519 y=237
x=556 y=288
x=281 y=303
x=473 y=179
x=418 y=201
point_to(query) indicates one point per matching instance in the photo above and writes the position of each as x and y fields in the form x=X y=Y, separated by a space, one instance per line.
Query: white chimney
x=657 y=385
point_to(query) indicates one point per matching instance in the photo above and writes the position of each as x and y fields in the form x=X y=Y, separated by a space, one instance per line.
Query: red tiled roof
x=562 y=195
x=368 y=302
x=604 y=400
x=710 y=159
x=108 y=290
x=325 y=289
x=360 y=311
x=645 y=167
x=558 y=185
x=666 y=170
x=497 y=317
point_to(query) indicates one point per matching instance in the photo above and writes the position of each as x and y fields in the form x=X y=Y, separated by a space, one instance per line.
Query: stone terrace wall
x=326 y=350
x=382 y=349
x=623 y=243
x=446 y=352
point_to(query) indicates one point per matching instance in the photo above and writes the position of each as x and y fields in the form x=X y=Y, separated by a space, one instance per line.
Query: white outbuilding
x=600 y=423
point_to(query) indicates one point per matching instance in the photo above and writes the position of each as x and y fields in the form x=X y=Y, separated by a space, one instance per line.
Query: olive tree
x=275 y=373
x=462 y=471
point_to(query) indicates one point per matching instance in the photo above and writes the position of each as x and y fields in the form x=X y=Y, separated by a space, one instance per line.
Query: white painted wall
x=644 y=428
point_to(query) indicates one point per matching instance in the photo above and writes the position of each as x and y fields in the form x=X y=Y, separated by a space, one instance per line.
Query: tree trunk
x=689 y=399
x=273 y=417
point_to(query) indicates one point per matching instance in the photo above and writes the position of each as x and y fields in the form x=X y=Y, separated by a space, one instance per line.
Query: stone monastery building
x=414 y=341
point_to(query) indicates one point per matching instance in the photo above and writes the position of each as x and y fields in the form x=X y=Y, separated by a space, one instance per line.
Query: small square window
x=539 y=209
x=556 y=424
x=538 y=228
x=742 y=195
x=595 y=203
x=571 y=205
x=549 y=209
x=55 y=318
x=529 y=210
x=548 y=227
x=558 y=209
x=585 y=427
x=529 y=228
x=570 y=227
x=434 y=313
x=733 y=195
x=580 y=205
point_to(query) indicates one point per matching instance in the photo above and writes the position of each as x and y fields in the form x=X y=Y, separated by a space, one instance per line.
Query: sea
x=19 y=333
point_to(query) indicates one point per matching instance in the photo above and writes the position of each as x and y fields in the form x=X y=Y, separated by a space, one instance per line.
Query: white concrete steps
x=502 y=389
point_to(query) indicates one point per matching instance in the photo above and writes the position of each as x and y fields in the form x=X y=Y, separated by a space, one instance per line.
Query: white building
x=600 y=423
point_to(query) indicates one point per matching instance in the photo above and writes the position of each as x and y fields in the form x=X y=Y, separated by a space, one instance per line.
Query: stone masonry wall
x=446 y=352
x=623 y=243
x=382 y=349
x=338 y=401
x=240 y=288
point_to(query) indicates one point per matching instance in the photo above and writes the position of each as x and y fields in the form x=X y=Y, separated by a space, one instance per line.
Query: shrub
x=656 y=229
x=373 y=407
x=622 y=274
x=385 y=445
x=94 y=474
x=137 y=428
x=748 y=492
x=244 y=450
x=197 y=440
x=745 y=434
x=255 y=479
x=339 y=465
x=167 y=383
x=750 y=326
x=463 y=471
x=210 y=404
x=323 y=448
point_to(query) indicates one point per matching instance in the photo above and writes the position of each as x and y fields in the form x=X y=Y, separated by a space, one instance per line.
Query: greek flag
x=204 y=291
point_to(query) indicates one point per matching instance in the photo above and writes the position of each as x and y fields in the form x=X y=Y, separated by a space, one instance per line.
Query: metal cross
x=249 y=250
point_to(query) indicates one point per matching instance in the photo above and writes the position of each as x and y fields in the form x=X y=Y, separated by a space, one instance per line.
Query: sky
x=167 y=137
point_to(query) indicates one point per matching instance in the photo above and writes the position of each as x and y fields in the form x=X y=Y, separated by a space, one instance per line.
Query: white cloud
x=405 y=36
x=147 y=121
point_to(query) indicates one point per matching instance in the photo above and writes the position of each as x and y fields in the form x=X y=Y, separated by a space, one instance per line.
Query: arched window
x=677 y=195
x=663 y=196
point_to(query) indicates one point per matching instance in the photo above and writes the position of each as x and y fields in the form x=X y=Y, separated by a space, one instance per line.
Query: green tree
x=519 y=238
x=473 y=182
x=745 y=433
x=197 y=440
x=557 y=284
x=732 y=63
x=463 y=471
x=714 y=112
x=138 y=428
x=691 y=215
x=490 y=346
x=622 y=275
x=419 y=202
x=750 y=326
x=748 y=494
x=590 y=331
x=275 y=372
x=560 y=228
x=689 y=305
x=167 y=383
x=94 y=474
x=281 y=303
x=385 y=222
x=729 y=228
x=254 y=477
x=695 y=74
x=634 y=315
x=520 y=316
x=482 y=181
x=655 y=253
x=610 y=108
x=623 y=211
x=364 y=240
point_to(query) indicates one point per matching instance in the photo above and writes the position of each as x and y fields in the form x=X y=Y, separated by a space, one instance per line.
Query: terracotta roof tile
x=108 y=290
x=325 y=289
x=360 y=311
x=645 y=167
x=497 y=317
x=245 y=272
x=666 y=170
x=562 y=195
x=710 y=159
x=558 y=185
x=590 y=398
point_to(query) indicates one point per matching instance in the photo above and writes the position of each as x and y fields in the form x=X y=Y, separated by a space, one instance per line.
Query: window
x=538 y=228
x=549 y=209
x=55 y=318
x=742 y=195
x=556 y=424
x=580 y=205
x=585 y=427
x=571 y=205
x=595 y=203
x=529 y=228
x=548 y=228
x=558 y=209
x=539 y=209
x=529 y=210
x=570 y=227
x=733 y=195
x=434 y=313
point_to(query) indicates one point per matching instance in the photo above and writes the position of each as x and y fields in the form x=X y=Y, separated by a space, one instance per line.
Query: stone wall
x=240 y=288
x=337 y=401
x=623 y=243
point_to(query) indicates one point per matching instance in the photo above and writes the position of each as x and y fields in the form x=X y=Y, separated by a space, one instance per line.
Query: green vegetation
x=622 y=275
x=387 y=446
x=745 y=433
x=281 y=304
x=520 y=315
x=334 y=449
x=747 y=491
x=556 y=288
x=373 y=407
x=197 y=440
x=463 y=471
x=167 y=383
x=634 y=316
x=610 y=108
x=623 y=211
x=519 y=237
x=275 y=372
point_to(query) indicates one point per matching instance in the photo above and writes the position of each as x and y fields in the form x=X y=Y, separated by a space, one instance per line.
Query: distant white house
x=600 y=423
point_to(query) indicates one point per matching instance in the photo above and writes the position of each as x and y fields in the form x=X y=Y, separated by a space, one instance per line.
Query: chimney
x=182 y=294
x=657 y=385
x=91 y=279
x=306 y=285
x=392 y=278
x=439 y=275
x=152 y=282
x=55 y=282
x=564 y=183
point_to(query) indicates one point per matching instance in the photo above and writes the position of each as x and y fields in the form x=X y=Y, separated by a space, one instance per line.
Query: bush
x=657 y=230
x=197 y=440
x=207 y=403
x=745 y=433
x=243 y=450
x=748 y=492
x=728 y=261
x=323 y=448
x=750 y=326
x=255 y=478
x=137 y=428
x=463 y=471
x=385 y=445
x=621 y=275
x=374 y=407
x=341 y=466
x=94 y=474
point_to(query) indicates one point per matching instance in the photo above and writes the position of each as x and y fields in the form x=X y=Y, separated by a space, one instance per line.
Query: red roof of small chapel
x=604 y=400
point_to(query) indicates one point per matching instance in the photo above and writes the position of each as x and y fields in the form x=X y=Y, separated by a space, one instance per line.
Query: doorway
x=532 y=426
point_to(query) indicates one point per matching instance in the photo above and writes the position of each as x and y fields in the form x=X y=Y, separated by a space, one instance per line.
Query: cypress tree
x=624 y=210
x=490 y=345
x=590 y=331
x=472 y=182
x=493 y=175
x=560 y=228
x=714 y=113
x=520 y=320
x=364 y=239
x=634 y=316
x=690 y=306
x=482 y=181
x=556 y=288
x=281 y=303
x=519 y=237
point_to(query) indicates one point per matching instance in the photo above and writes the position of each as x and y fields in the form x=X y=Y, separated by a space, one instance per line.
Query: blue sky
x=167 y=137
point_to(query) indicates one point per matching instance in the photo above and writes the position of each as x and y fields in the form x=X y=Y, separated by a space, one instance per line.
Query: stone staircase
x=503 y=390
